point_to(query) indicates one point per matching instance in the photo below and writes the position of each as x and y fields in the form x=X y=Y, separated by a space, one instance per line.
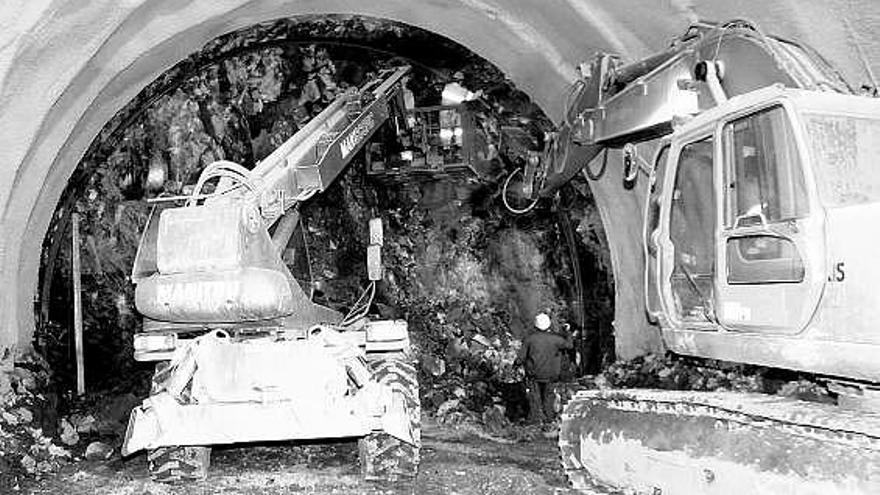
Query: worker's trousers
x=541 y=396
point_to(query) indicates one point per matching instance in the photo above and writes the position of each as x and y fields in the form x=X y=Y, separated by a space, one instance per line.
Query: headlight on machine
x=145 y=342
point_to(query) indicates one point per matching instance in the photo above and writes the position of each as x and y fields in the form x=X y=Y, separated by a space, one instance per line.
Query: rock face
x=61 y=83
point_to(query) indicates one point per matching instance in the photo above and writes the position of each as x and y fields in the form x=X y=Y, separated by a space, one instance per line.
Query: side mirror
x=374 y=250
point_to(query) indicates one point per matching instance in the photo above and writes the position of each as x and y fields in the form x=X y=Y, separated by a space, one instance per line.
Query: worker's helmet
x=542 y=321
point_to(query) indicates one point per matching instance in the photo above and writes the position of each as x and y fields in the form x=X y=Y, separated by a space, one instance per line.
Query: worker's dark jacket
x=541 y=354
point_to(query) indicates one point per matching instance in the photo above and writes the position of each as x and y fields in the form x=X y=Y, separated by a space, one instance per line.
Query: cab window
x=692 y=230
x=765 y=185
x=765 y=179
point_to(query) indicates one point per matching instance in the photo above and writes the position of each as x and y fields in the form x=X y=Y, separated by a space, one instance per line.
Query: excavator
x=762 y=195
x=242 y=353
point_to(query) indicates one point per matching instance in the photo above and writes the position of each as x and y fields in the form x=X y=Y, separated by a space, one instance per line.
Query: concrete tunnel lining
x=68 y=67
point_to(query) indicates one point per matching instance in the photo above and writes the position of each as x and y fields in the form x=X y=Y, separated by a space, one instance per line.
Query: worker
x=541 y=356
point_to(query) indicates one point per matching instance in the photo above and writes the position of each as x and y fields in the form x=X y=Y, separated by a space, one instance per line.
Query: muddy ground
x=455 y=461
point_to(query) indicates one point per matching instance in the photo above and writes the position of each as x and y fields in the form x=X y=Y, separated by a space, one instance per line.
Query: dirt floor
x=454 y=461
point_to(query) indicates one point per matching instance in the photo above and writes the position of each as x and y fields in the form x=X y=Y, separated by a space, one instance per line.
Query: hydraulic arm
x=615 y=102
x=214 y=259
x=313 y=158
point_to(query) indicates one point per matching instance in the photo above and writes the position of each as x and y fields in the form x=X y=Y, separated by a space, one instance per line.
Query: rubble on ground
x=671 y=372
x=35 y=441
x=668 y=372
x=677 y=373
x=98 y=451
x=27 y=422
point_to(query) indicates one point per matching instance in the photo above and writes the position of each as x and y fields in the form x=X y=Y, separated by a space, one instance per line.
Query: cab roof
x=803 y=100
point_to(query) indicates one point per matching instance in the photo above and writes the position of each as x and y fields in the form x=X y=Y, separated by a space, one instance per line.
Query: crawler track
x=669 y=442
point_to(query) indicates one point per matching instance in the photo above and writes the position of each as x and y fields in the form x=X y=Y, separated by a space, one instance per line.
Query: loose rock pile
x=676 y=373
x=27 y=422
x=35 y=441
x=672 y=372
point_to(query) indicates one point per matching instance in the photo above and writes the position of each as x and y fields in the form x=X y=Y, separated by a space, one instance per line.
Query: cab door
x=651 y=233
x=686 y=240
x=770 y=263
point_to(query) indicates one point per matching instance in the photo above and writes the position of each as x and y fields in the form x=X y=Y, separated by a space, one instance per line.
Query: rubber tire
x=178 y=463
x=383 y=457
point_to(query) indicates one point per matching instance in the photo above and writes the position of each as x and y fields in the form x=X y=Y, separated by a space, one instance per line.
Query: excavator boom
x=214 y=261
x=314 y=157
x=615 y=102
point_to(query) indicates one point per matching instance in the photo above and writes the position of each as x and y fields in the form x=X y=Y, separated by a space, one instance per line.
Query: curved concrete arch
x=67 y=66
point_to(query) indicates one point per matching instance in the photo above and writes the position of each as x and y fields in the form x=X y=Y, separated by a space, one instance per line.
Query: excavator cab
x=753 y=213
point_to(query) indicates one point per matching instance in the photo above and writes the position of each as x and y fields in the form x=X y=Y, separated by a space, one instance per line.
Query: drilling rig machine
x=243 y=354
x=762 y=203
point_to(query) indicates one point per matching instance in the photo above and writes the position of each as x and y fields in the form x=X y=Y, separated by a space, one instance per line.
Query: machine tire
x=177 y=463
x=383 y=457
